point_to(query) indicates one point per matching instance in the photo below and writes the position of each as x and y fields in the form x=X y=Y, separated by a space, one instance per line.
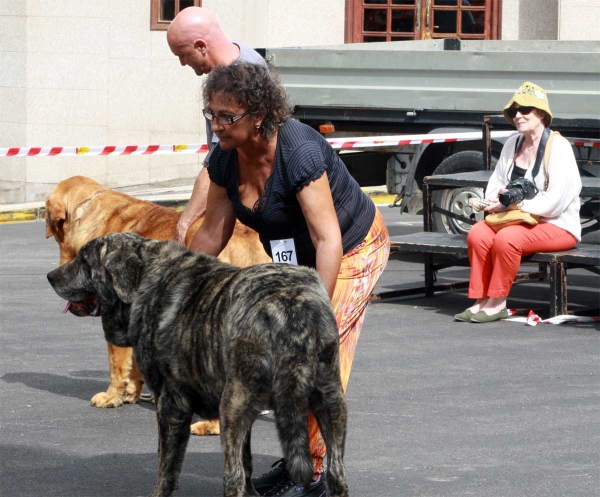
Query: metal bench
x=432 y=245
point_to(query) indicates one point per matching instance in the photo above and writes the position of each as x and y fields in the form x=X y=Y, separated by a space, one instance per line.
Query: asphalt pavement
x=436 y=407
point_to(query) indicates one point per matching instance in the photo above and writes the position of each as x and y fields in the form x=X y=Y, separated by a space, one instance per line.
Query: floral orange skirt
x=359 y=272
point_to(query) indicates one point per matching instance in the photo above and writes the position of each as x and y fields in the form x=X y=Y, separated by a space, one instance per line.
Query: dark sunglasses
x=512 y=112
x=223 y=120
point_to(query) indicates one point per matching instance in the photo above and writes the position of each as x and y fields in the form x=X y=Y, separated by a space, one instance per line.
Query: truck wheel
x=456 y=200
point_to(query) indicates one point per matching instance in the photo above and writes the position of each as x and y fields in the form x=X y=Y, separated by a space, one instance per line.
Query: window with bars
x=162 y=12
x=395 y=20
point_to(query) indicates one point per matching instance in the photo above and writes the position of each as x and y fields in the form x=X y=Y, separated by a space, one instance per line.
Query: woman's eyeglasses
x=223 y=120
x=512 y=112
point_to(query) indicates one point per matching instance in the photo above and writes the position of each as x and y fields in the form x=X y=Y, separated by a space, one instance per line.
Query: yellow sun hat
x=530 y=95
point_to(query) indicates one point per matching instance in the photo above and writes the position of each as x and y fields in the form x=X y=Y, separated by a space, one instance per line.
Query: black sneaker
x=288 y=488
x=272 y=479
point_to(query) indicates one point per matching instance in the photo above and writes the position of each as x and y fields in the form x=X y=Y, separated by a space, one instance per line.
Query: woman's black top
x=517 y=172
x=302 y=156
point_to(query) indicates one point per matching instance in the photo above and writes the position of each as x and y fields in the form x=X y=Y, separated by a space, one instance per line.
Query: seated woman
x=283 y=179
x=495 y=257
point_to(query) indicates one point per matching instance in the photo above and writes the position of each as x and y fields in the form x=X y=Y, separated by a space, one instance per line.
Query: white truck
x=442 y=87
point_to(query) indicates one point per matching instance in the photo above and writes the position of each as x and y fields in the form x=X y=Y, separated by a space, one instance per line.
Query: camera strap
x=540 y=155
x=547 y=157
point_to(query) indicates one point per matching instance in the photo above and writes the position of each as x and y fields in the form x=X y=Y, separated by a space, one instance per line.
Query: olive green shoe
x=482 y=317
x=464 y=316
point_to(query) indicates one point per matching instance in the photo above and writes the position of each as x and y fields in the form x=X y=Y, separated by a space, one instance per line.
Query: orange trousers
x=359 y=273
x=495 y=257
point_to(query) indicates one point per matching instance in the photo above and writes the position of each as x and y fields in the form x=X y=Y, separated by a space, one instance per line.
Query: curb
x=381 y=198
x=28 y=214
x=25 y=215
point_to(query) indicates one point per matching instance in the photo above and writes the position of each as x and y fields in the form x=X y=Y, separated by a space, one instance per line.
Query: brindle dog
x=220 y=341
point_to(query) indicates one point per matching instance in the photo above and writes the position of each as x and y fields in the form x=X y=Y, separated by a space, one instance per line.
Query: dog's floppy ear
x=125 y=272
x=55 y=218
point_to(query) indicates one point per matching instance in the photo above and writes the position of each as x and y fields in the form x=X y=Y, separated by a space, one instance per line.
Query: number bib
x=284 y=251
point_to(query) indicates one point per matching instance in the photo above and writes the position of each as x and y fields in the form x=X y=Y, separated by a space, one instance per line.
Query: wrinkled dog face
x=105 y=271
x=74 y=282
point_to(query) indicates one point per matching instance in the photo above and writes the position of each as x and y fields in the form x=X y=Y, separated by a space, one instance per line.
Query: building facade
x=100 y=72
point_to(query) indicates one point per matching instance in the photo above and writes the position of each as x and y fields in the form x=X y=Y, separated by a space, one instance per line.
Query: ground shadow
x=36 y=472
x=65 y=386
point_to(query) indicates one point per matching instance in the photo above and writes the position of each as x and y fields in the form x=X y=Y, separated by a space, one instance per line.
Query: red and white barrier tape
x=584 y=143
x=532 y=319
x=336 y=143
x=103 y=151
x=404 y=140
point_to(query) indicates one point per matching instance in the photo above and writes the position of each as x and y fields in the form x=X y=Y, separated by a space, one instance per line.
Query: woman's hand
x=195 y=207
x=181 y=229
x=217 y=228
x=495 y=206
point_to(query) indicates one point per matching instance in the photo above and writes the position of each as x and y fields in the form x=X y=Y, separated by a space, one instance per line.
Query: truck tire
x=456 y=200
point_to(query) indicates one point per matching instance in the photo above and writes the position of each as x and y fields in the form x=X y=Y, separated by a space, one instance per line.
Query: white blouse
x=559 y=204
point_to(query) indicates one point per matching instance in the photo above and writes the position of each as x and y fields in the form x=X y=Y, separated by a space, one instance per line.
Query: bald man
x=196 y=38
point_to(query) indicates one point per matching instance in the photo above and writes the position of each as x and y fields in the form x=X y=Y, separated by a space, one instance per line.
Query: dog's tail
x=291 y=418
x=299 y=463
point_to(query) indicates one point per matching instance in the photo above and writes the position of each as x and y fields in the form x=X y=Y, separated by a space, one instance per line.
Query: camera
x=517 y=190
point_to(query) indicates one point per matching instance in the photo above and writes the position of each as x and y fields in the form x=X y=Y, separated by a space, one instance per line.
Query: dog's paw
x=133 y=391
x=130 y=398
x=206 y=427
x=104 y=400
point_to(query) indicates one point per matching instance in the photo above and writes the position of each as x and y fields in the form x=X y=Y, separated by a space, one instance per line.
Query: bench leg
x=429 y=275
x=427 y=208
x=558 y=289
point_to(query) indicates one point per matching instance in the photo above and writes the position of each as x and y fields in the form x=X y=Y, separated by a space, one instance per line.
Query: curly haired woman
x=283 y=179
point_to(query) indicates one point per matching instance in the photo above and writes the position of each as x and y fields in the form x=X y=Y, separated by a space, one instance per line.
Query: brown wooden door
x=396 y=20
